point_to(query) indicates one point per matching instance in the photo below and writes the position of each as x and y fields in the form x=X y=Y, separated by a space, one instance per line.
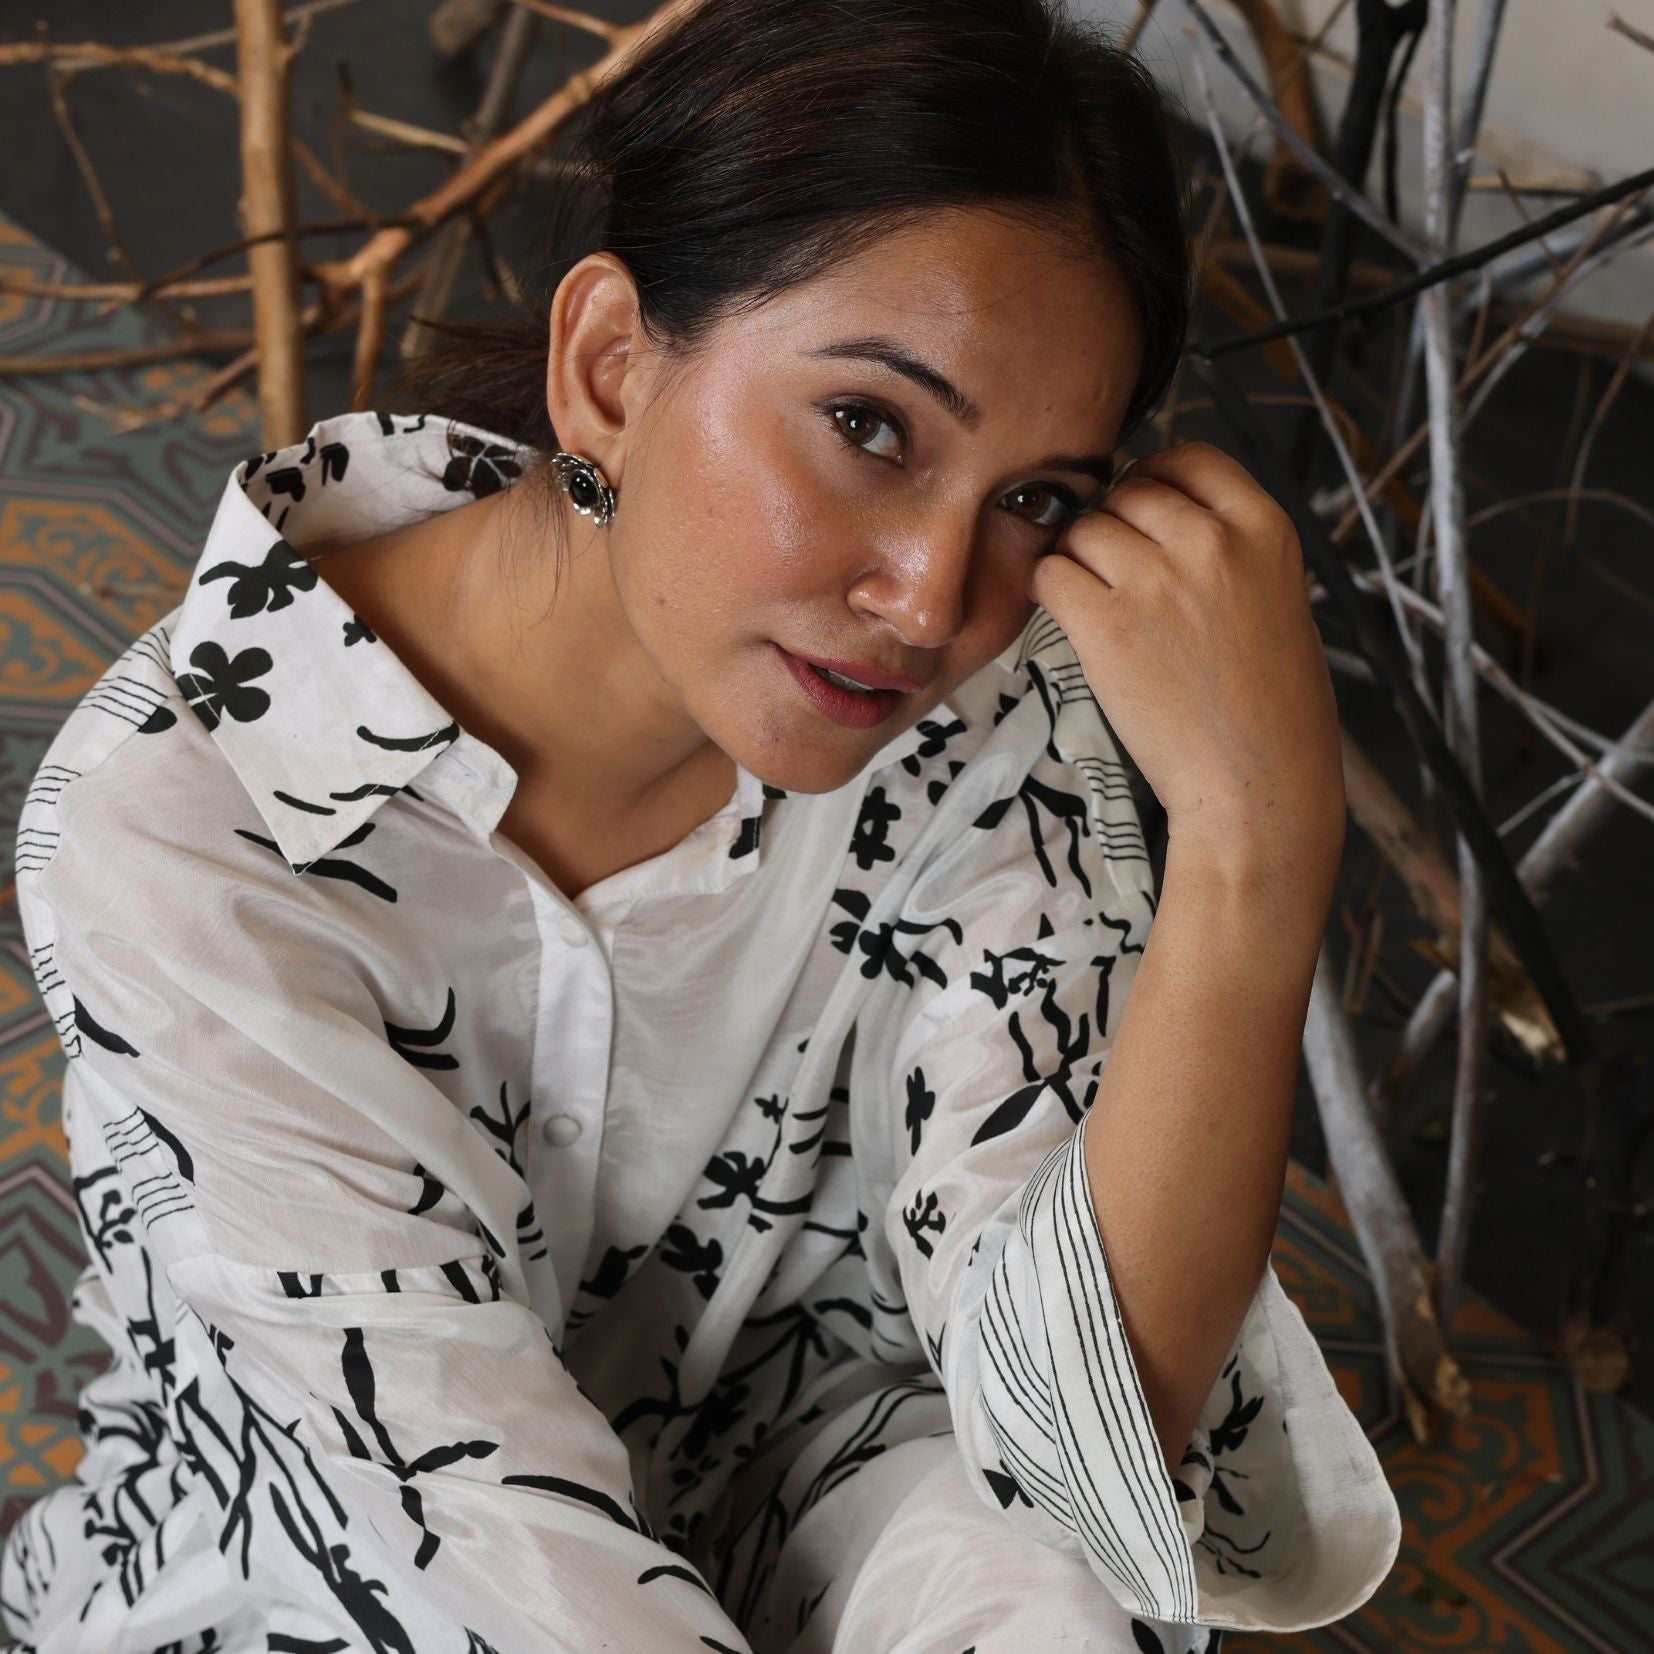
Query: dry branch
x=1335 y=186
x=226 y=37
x=1444 y=270
x=516 y=40
x=1602 y=244
x=456 y=192
x=267 y=209
x=127 y=356
x=1288 y=185
x=1434 y=887
x=1464 y=722
x=1635 y=35
x=89 y=54
x=1418 y=1357
x=1558 y=849
x=567 y=14
x=123 y=292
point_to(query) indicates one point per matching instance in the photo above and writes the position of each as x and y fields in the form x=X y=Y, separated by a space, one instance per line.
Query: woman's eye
x=854 y=421
x=1067 y=505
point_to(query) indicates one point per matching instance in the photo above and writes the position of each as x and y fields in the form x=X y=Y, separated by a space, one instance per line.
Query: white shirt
x=476 y=1261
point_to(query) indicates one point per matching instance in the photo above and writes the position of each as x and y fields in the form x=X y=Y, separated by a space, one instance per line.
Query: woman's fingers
x=1075 y=595
x=1158 y=510
x=1210 y=477
x=1106 y=545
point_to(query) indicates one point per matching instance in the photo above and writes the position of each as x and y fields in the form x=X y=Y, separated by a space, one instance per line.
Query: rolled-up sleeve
x=359 y=1379
x=988 y=1051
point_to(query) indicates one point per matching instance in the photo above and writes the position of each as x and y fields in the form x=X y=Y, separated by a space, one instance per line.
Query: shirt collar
x=319 y=719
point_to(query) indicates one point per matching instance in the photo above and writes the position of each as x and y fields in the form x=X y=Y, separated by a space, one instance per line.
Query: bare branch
x=89 y=54
x=471 y=178
x=1620 y=26
x=1554 y=725
x=1383 y=1224
x=124 y=292
x=267 y=209
x=516 y=41
x=1335 y=186
x=1558 y=848
x=127 y=356
x=1376 y=304
x=1588 y=441
x=226 y=37
x=1145 y=11
x=566 y=14
x=1586 y=259
x=1463 y=725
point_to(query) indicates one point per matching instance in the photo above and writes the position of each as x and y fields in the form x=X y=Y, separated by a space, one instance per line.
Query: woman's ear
x=594 y=329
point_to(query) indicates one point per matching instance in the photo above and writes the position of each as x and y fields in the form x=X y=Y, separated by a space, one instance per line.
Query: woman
x=593 y=1131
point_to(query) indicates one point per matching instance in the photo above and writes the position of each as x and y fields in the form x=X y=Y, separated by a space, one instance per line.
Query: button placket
x=576 y=1011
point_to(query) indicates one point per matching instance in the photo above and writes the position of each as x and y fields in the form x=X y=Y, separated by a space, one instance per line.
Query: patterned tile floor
x=1529 y=1527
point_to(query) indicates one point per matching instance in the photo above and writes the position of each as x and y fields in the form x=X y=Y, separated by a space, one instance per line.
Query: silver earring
x=585 y=485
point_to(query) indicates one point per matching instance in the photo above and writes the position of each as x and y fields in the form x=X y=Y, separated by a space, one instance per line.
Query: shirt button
x=560 y=1130
x=572 y=931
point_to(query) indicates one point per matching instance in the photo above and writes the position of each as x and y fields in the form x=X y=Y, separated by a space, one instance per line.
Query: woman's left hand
x=1184 y=597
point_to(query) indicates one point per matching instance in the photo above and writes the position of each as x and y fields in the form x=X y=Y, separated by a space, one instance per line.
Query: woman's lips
x=844 y=706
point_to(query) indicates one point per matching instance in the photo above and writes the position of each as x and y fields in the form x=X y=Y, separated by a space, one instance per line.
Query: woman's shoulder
x=131 y=796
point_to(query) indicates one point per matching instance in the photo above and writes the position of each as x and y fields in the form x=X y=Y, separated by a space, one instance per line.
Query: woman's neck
x=551 y=677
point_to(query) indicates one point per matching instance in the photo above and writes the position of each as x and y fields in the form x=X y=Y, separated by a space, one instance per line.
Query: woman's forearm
x=1186 y=1149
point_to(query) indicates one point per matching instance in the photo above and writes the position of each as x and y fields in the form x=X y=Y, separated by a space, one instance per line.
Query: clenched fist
x=1184 y=597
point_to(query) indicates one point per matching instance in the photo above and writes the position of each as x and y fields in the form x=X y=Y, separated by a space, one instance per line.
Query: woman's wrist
x=1290 y=873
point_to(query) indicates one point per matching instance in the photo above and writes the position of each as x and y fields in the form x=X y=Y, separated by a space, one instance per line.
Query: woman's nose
x=918 y=585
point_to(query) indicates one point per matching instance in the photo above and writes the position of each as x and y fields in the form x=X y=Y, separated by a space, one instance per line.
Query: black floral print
x=479 y=466
x=220 y=687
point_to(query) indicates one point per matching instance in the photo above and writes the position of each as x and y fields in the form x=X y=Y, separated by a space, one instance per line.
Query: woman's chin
x=798 y=765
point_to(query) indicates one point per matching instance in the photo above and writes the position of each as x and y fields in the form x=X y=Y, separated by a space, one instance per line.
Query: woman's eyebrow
x=887 y=353
x=891 y=355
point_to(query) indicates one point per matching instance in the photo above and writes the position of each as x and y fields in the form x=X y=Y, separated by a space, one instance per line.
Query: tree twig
x=267 y=210
x=1635 y=35
x=567 y=14
x=1584 y=260
x=1437 y=897
x=226 y=37
x=1588 y=441
x=1464 y=724
x=1375 y=304
x=474 y=175
x=1559 y=848
x=516 y=41
x=1288 y=186
x=126 y=356
x=1381 y=28
x=1358 y=204
x=1417 y=1352
x=1145 y=10
x=91 y=54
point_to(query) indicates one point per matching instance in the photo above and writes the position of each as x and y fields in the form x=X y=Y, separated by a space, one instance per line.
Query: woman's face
x=785 y=492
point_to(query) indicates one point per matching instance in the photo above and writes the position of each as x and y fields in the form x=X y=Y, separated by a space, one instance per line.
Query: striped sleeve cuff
x=1279 y=1517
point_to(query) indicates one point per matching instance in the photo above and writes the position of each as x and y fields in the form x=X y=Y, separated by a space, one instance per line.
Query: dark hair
x=755 y=143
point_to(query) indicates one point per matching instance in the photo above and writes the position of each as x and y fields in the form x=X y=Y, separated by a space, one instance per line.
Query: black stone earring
x=585 y=486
